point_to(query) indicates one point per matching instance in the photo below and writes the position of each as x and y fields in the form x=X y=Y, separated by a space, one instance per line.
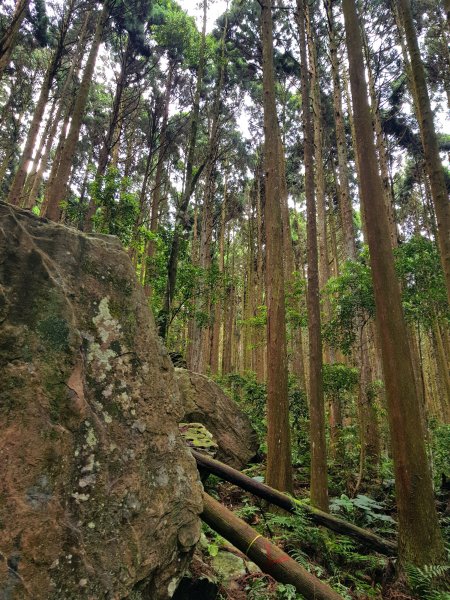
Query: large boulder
x=206 y=403
x=99 y=495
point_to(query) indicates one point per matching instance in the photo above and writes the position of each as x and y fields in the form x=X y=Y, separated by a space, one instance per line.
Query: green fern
x=430 y=582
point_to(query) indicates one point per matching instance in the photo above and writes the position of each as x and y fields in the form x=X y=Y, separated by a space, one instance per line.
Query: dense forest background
x=281 y=185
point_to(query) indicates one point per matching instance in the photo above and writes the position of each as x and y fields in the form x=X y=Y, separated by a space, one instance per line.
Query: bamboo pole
x=364 y=537
x=262 y=552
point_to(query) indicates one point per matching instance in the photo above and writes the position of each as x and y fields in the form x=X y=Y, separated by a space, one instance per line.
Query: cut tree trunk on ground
x=262 y=552
x=364 y=537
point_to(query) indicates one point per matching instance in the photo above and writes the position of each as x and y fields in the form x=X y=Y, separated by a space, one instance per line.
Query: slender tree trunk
x=420 y=540
x=215 y=344
x=50 y=126
x=443 y=368
x=228 y=330
x=429 y=139
x=319 y=483
x=381 y=147
x=57 y=191
x=345 y=201
x=289 y=271
x=202 y=333
x=261 y=353
x=114 y=129
x=57 y=157
x=8 y=40
x=158 y=185
x=16 y=191
x=189 y=185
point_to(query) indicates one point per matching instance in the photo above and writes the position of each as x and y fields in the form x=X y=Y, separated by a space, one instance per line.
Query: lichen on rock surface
x=98 y=494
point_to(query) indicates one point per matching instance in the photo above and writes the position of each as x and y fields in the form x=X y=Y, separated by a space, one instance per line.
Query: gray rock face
x=98 y=494
x=206 y=403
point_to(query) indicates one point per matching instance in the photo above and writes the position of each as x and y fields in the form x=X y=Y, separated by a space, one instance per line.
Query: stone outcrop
x=98 y=494
x=206 y=403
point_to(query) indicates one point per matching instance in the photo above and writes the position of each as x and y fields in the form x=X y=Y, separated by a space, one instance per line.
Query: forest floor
x=220 y=571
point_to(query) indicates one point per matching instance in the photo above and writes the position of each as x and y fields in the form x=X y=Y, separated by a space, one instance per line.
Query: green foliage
x=339 y=378
x=262 y=587
x=296 y=313
x=251 y=395
x=299 y=420
x=351 y=300
x=440 y=450
x=118 y=208
x=259 y=321
x=424 y=291
x=362 y=510
x=175 y=31
x=328 y=556
x=430 y=582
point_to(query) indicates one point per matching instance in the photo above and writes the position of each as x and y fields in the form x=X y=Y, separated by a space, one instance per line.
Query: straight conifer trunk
x=279 y=468
x=15 y=195
x=189 y=186
x=319 y=478
x=345 y=201
x=57 y=191
x=420 y=541
x=8 y=39
x=433 y=162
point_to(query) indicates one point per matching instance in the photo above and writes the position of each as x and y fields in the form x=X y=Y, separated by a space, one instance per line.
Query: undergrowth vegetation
x=348 y=567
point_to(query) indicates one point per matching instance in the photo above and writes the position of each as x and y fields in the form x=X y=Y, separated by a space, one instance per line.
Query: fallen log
x=269 y=558
x=364 y=537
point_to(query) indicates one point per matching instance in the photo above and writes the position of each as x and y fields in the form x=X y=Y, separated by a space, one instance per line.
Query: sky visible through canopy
x=215 y=9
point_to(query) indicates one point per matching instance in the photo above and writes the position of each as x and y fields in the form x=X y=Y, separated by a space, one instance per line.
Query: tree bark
x=57 y=190
x=319 y=478
x=8 y=39
x=345 y=200
x=229 y=311
x=420 y=540
x=218 y=312
x=429 y=139
x=279 y=467
x=157 y=188
x=189 y=186
x=15 y=193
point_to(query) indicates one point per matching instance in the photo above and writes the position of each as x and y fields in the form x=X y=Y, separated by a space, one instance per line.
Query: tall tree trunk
x=345 y=201
x=420 y=541
x=260 y=349
x=189 y=186
x=228 y=328
x=57 y=190
x=279 y=468
x=289 y=272
x=58 y=153
x=8 y=39
x=319 y=479
x=158 y=185
x=15 y=193
x=114 y=128
x=429 y=139
x=215 y=343
x=381 y=146
x=46 y=138
x=202 y=334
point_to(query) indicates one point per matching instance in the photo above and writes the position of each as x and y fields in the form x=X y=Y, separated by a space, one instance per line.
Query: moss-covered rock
x=206 y=403
x=99 y=495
